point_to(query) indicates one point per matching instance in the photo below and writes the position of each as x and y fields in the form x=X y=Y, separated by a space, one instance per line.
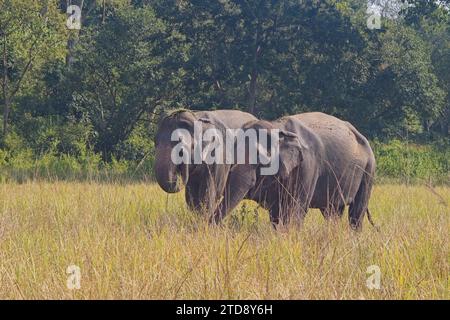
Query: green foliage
x=123 y=69
x=51 y=135
x=411 y=162
x=396 y=160
x=32 y=33
x=86 y=103
x=23 y=166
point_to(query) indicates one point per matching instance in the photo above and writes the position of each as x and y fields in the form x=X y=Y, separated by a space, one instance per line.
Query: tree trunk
x=6 y=100
x=252 y=90
x=445 y=122
x=104 y=11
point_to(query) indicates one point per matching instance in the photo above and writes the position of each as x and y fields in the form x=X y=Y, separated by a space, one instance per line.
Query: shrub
x=412 y=162
x=396 y=160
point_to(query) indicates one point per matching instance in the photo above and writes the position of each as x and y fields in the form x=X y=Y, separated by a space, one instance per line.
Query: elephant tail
x=359 y=206
x=369 y=217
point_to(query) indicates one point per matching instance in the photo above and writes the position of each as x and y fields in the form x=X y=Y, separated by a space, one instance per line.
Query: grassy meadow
x=132 y=241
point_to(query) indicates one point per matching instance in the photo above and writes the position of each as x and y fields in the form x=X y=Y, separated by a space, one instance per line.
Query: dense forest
x=84 y=82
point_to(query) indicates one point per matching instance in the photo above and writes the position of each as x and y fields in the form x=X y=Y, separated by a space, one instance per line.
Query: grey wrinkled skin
x=204 y=183
x=325 y=163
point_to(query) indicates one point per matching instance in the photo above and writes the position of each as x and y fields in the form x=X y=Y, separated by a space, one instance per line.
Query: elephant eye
x=288 y=134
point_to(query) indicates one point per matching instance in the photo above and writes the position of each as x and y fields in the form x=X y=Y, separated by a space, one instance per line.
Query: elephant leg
x=358 y=207
x=303 y=202
x=340 y=211
x=207 y=196
x=302 y=188
x=240 y=180
x=325 y=213
x=280 y=218
x=192 y=194
x=205 y=188
x=274 y=213
x=333 y=211
x=281 y=212
x=199 y=195
x=300 y=215
x=294 y=215
x=288 y=206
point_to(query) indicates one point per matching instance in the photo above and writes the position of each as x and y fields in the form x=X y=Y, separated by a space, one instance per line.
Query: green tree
x=431 y=19
x=31 y=33
x=267 y=57
x=122 y=71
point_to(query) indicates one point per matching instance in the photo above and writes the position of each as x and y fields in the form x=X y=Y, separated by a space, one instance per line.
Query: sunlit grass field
x=135 y=242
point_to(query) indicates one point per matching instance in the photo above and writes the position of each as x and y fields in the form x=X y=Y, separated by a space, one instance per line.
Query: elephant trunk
x=184 y=168
x=166 y=172
x=240 y=180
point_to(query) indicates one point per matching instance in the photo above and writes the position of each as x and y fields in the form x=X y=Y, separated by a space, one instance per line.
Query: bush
x=396 y=160
x=412 y=162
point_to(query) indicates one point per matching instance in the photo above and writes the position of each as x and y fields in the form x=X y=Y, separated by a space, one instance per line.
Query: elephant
x=324 y=163
x=204 y=183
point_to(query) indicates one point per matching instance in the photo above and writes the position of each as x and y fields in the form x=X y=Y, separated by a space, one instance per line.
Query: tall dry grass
x=134 y=242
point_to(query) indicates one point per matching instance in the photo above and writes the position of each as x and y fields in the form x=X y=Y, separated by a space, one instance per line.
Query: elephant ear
x=290 y=153
x=205 y=120
x=218 y=125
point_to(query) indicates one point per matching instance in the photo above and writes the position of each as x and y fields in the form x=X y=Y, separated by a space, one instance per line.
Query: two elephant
x=324 y=163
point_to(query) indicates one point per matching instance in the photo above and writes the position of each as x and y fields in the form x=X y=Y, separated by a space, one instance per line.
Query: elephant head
x=178 y=134
x=276 y=148
x=169 y=174
x=279 y=149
